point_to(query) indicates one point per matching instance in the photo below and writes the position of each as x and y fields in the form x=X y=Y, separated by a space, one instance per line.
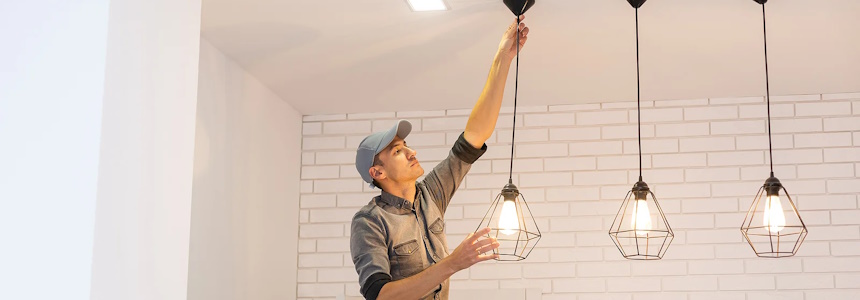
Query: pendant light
x=640 y=230
x=509 y=218
x=772 y=226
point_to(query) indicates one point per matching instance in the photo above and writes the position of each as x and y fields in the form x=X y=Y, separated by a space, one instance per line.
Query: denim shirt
x=393 y=239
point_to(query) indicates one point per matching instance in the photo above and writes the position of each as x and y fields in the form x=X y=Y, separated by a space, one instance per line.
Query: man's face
x=399 y=163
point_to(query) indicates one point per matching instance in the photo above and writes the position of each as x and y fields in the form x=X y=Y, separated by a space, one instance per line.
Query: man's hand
x=467 y=254
x=508 y=45
x=471 y=251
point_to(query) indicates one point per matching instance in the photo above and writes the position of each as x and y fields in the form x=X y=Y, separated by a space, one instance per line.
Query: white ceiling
x=346 y=56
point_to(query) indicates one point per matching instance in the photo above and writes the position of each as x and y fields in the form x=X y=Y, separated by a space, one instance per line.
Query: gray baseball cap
x=375 y=143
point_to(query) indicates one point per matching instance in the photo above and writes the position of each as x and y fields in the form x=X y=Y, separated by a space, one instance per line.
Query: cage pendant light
x=640 y=229
x=772 y=226
x=509 y=218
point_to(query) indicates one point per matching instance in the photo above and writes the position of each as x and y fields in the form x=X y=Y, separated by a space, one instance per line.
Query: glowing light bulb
x=774 y=217
x=641 y=217
x=508 y=221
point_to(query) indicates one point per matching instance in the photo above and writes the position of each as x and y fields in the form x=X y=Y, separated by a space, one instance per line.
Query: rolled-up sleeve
x=447 y=176
x=369 y=251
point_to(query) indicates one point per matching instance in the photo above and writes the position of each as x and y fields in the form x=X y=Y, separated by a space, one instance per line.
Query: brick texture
x=703 y=158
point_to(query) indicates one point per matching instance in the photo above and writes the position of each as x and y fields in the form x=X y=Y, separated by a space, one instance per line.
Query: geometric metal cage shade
x=640 y=229
x=511 y=222
x=772 y=226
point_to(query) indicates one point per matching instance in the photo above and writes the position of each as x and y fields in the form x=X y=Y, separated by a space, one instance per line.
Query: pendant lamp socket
x=510 y=190
x=641 y=190
x=772 y=186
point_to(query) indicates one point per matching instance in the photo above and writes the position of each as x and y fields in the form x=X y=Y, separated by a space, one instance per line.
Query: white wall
x=143 y=213
x=98 y=109
x=704 y=159
x=244 y=227
x=51 y=84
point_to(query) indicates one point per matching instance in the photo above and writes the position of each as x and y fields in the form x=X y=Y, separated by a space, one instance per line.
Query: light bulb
x=508 y=221
x=774 y=217
x=641 y=217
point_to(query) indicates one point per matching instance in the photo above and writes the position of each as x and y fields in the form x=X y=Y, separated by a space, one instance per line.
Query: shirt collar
x=399 y=202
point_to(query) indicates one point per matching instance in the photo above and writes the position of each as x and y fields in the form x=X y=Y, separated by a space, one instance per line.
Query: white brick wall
x=704 y=159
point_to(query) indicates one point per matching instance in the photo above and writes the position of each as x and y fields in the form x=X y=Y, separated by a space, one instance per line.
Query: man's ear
x=377 y=173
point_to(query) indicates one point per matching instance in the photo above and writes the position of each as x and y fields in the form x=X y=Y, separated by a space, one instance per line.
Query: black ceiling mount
x=762 y=2
x=519 y=7
x=636 y=3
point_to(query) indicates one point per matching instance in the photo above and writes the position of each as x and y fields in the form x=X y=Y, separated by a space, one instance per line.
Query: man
x=398 y=240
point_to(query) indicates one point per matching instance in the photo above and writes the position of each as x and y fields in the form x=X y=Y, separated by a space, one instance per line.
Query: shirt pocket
x=437 y=229
x=407 y=260
x=438 y=226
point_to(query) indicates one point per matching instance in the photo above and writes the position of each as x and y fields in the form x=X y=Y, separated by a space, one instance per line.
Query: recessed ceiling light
x=427 y=5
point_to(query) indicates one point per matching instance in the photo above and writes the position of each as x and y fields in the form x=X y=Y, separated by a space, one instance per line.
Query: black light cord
x=516 y=80
x=767 y=88
x=638 y=109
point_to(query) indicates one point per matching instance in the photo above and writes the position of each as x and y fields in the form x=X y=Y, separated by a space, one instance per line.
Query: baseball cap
x=373 y=144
